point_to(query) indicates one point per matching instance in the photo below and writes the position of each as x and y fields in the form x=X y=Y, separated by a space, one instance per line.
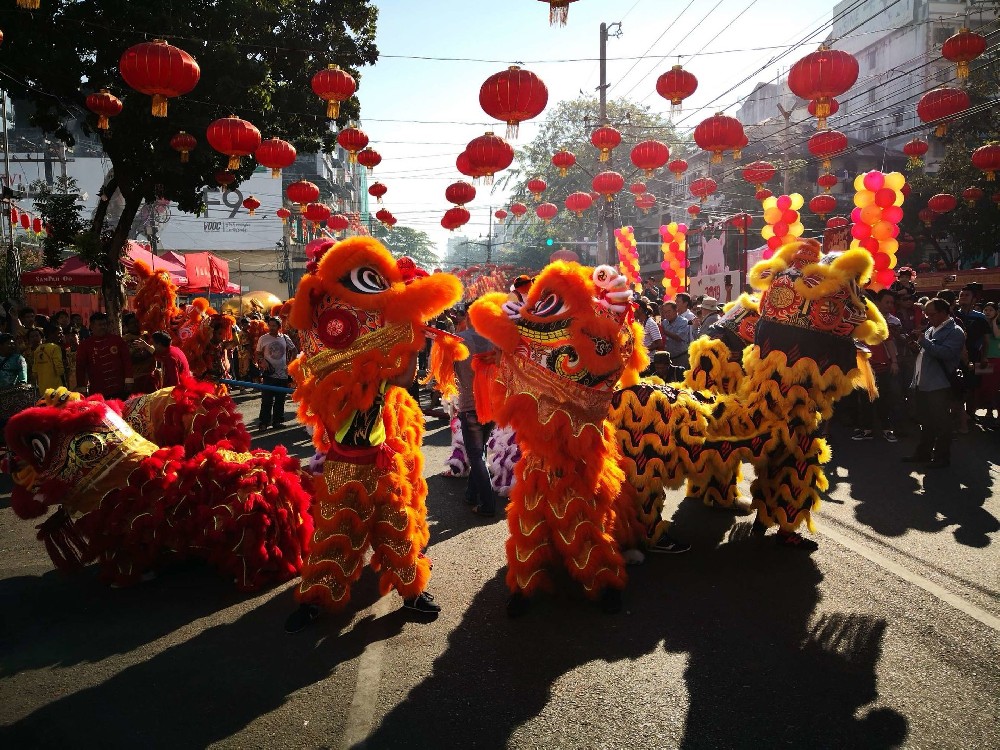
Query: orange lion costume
x=360 y=317
x=562 y=352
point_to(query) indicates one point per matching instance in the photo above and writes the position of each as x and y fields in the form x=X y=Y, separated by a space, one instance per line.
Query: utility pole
x=13 y=290
x=289 y=282
x=784 y=146
x=607 y=214
x=489 y=238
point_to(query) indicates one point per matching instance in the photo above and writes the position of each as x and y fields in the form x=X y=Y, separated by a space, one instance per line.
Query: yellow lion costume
x=360 y=319
x=804 y=358
x=562 y=350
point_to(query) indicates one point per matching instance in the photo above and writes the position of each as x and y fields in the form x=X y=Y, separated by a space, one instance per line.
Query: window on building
x=872 y=58
x=868 y=129
x=897 y=118
x=941 y=34
x=872 y=96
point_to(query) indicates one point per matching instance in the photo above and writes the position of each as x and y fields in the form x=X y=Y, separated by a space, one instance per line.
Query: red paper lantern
x=369 y=158
x=546 y=211
x=338 y=222
x=758 y=172
x=834 y=108
x=317 y=213
x=563 y=160
x=275 y=154
x=457 y=217
x=926 y=216
x=822 y=75
x=233 y=137
x=738 y=149
x=251 y=204
x=607 y=184
x=822 y=205
x=987 y=158
x=650 y=156
x=826 y=144
x=645 y=202
x=558 y=11
x=962 y=48
x=763 y=195
x=302 y=192
x=718 y=133
x=384 y=216
x=500 y=214
x=972 y=195
x=225 y=178
x=36 y=225
x=283 y=214
x=914 y=149
x=464 y=166
x=694 y=210
x=676 y=85
x=605 y=139
x=377 y=190
x=742 y=222
x=489 y=154
x=460 y=193
x=104 y=104
x=333 y=86
x=702 y=188
x=513 y=96
x=637 y=188
x=826 y=181
x=579 y=202
x=678 y=167
x=352 y=140
x=835 y=222
x=159 y=70
x=518 y=209
x=184 y=144
x=942 y=203
x=940 y=105
x=25 y=221
x=536 y=187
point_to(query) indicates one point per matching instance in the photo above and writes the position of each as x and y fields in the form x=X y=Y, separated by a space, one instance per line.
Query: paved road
x=888 y=636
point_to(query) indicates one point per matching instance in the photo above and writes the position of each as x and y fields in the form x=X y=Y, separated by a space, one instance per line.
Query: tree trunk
x=112 y=270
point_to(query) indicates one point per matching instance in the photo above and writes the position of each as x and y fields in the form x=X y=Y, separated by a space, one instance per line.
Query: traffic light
x=550 y=242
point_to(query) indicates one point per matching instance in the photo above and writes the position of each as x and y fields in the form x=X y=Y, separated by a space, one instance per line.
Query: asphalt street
x=888 y=636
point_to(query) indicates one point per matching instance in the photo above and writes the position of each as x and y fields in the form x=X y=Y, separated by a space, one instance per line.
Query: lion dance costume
x=361 y=323
x=562 y=352
x=133 y=505
x=803 y=358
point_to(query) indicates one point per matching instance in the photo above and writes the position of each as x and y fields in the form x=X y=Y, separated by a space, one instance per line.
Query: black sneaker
x=669 y=546
x=517 y=604
x=424 y=604
x=862 y=435
x=301 y=618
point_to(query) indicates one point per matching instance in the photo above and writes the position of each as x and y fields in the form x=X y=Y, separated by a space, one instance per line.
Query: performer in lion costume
x=360 y=315
x=804 y=358
x=563 y=349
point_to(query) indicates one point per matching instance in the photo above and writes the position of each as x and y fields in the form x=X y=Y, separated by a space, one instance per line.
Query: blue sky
x=419 y=158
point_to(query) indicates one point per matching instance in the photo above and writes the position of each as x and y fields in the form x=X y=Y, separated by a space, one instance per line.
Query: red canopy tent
x=74 y=272
x=207 y=272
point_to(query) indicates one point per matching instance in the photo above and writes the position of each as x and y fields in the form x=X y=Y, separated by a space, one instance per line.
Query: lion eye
x=39 y=445
x=365 y=280
x=549 y=305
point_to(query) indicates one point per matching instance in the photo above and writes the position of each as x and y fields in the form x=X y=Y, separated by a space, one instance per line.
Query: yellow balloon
x=899 y=199
x=672 y=227
x=767 y=231
x=772 y=215
x=864 y=198
x=795 y=230
x=895 y=180
x=859 y=182
x=855 y=245
x=889 y=247
x=797 y=201
x=892 y=260
x=770 y=202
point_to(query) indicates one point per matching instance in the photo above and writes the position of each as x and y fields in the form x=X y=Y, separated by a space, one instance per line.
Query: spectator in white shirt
x=651 y=337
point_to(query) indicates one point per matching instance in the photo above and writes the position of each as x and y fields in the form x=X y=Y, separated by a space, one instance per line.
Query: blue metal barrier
x=256 y=386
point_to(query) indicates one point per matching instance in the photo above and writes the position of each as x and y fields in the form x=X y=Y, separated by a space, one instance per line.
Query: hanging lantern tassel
x=628 y=256
x=558 y=12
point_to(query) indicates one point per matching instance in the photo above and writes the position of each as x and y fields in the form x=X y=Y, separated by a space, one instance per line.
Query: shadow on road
x=760 y=673
x=209 y=687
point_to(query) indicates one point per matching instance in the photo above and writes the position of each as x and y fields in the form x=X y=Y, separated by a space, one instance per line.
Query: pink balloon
x=685 y=263
x=682 y=228
x=665 y=266
x=893 y=214
x=874 y=180
x=769 y=253
x=861 y=231
x=895 y=232
x=784 y=202
x=856 y=215
x=885 y=197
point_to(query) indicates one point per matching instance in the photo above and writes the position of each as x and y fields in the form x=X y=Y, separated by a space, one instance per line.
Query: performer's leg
x=396 y=548
x=589 y=553
x=529 y=548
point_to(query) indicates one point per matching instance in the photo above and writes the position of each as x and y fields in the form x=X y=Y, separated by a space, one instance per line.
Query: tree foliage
x=62 y=215
x=568 y=125
x=967 y=236
x=256 y=59
x=414 y=243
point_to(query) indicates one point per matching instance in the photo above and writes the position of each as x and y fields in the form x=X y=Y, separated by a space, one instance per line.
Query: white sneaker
x=889 y=436
x=862 y=435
